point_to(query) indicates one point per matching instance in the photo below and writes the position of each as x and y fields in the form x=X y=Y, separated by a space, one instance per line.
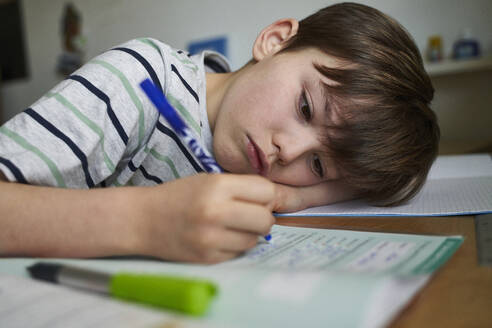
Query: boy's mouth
x=256 y=157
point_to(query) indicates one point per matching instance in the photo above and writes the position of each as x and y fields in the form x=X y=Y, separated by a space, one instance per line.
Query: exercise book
x=456 y=185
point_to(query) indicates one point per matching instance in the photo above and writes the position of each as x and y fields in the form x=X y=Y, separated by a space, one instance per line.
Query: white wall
x=109 y=22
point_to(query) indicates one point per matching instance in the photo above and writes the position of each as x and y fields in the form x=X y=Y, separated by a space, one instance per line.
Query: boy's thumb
x=286 y=199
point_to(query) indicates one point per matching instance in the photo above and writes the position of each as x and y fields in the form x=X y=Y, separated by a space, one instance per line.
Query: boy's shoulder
x=173 y=62
x=212 y=60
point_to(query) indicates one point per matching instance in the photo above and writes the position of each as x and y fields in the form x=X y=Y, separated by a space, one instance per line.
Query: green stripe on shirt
x=131 y=92
x=184 y=112
x=165 y=159
x=28 y=146
x=93 y=126
x=150 y=43
x=186 y=62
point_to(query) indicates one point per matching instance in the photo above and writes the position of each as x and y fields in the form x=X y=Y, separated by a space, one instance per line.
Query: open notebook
x=456 y=185
x=303 y=278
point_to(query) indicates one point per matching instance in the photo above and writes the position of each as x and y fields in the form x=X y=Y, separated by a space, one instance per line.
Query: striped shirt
x=97 y=128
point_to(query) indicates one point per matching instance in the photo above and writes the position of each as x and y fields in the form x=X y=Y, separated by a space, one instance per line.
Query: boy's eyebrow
x=325 y=84
x=329 y=105
x=324 y=93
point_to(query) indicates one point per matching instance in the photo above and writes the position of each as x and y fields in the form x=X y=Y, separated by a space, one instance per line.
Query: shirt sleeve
x=80 y=132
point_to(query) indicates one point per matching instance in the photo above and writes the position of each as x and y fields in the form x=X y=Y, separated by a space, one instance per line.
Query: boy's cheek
x=295 y=174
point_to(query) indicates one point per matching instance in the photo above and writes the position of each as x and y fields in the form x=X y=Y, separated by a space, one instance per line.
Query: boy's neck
x=217 y=85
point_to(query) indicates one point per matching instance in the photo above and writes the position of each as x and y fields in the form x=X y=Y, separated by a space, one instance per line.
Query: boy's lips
x=257 y=157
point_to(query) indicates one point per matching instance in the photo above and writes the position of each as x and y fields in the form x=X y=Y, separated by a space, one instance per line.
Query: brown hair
x=389 y=136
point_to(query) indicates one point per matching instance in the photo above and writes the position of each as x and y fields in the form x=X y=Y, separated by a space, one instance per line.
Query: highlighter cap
x=191 y=296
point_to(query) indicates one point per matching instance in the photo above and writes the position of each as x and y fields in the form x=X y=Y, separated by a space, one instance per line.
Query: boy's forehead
x=315 y=59
x=321 y=58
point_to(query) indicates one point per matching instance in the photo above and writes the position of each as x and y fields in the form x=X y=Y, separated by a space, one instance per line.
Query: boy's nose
x=294 y=145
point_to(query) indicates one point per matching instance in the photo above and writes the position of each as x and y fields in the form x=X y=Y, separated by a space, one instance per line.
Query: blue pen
x=179 y=126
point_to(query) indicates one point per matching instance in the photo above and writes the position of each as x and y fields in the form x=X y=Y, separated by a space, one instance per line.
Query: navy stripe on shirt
x=182 y=147
x=146 y=175
x=184 y=52
x=187 y=86
x=149 y=176
x=214 y=66
x=101 y=95
x=144 y=63
x=132 y=166
x=14 y=169
x=75 y=149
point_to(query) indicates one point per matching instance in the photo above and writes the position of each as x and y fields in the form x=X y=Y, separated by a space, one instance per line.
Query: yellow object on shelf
x=450 y=66
x=434 y=49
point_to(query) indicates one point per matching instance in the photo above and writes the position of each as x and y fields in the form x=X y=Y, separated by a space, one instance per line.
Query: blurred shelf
x=450 y=66
x=451 y=147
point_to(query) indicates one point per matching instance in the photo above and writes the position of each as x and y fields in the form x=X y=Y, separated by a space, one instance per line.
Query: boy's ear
x=273 y=37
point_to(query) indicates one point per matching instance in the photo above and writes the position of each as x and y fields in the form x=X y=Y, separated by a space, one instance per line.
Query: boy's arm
x=55 y=222
x=202 y=218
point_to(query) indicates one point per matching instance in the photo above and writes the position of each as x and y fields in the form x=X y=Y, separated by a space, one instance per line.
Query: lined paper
x=457 y=185
x=303 y=278
x=26 y=302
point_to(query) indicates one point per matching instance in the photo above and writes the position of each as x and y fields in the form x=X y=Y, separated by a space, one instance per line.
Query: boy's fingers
x=250 y=188
x=248 y=217
x=222 y=244
x=290 y=199
x=217 y=257
x=237 y=241
x=287 y=199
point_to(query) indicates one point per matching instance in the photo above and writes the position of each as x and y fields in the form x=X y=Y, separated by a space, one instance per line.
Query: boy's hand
x=292 y=199
x=206 y=217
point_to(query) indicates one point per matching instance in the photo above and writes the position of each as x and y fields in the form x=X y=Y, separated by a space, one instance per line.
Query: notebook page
x=304 y=278
x=461 y=166
x=346 y=251
x=457 y=185
x=25 y=302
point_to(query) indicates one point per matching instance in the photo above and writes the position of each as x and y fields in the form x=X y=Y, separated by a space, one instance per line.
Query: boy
x=330 y=108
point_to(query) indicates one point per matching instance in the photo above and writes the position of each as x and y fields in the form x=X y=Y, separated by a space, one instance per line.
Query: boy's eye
x=317 y=166
x=304 y=107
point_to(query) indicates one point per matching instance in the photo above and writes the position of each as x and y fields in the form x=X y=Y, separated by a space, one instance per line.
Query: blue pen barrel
x=156 y=96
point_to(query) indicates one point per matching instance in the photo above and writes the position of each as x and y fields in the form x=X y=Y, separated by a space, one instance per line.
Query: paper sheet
x=457 y=185
x=461 y=166
x=344 y=251
x=303 y=278
x=25 y=302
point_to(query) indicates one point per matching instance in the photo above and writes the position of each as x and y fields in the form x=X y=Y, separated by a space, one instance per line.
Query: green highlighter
x=188 y=295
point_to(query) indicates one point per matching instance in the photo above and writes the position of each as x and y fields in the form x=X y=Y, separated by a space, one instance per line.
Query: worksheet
x=330 y=278
x=26 y=302
x=345 y=251
x=302 y=277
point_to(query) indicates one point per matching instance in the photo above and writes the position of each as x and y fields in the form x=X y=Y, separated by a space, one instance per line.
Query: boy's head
x=342 y=93
x=389 y=137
